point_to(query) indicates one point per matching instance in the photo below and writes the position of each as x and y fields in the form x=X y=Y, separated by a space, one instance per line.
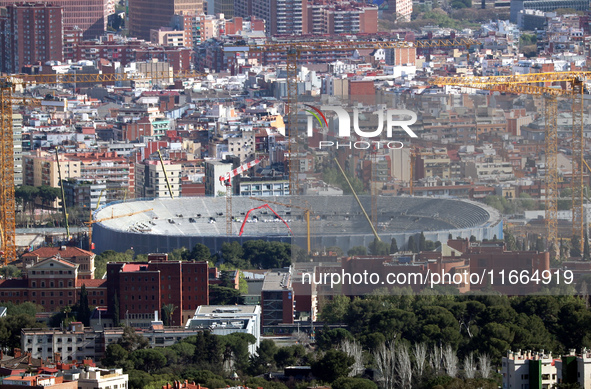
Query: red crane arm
x=262 y=206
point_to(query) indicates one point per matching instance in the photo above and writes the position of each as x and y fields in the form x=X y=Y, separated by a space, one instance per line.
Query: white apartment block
x=527 y=369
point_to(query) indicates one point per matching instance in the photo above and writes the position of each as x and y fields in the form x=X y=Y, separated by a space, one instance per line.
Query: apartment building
x=17 y=145
x=145 y=15
x=84 y=259
x=527 y=369
x=277 y=298
x=32 y=33
x=575 y=368
x=41 y=168
x=282 y=17
x=91 y=16
x=151 y=179
x=330 y=17
x=52 y=283
x=77 y=342
x=143 y=288
x=489 y=171
x=224 y=320
x=93 y=378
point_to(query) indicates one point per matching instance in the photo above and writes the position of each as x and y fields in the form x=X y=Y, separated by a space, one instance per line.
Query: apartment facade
x=144 y=288
x=91 y=16
x=527 y=369
x=32 y=33
x=145 y=15
x=151 y=179
x=52 y=283
x=17 y=144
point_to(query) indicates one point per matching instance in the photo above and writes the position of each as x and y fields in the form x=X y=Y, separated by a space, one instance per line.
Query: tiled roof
x=14 y=283
x=47 y=252
x=91 y=283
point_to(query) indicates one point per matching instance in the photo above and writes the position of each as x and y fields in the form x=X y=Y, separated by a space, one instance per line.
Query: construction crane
x=411 y=180
x=98 y=203
x=522 y=84
x=91 y=222
x=307 y=213
x=165 y=175
x=294 y=51
x=8 y=85
x=64 y=208
x=373 y=229
x=226 y=179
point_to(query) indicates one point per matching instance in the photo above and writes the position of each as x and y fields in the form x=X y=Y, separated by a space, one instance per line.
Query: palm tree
x=66 y=311
x=168 y=310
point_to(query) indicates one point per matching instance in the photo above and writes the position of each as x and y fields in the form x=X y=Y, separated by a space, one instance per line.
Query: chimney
x=17 y=353
x=29 y=359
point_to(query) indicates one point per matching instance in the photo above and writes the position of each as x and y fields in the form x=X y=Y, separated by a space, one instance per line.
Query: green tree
x=510 y=242
x=48 y=194
x=411 y=244
x=357 y=251
x=264 y=359
x=167 y=312
x=333 y=365
x=27 y=195
x=10 y=271
x=199 y=253
x=232 y=253
x=84 y=309
x=26 y=308
x=11 y=327
x=393 y=246
x=377 y=247
x=117 y=356
x=114 y=308
x=575 y=243
x=353 y=383
x=131 y=340
x=219 y=295
x=335 y=310
x=422 y=242
x=148 y=360
x=331 y=338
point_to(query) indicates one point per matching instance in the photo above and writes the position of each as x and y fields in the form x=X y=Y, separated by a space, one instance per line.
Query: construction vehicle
x=226 y=180
x=307 y=212
x=8 y=86
x=530 y=84
x=261 y=207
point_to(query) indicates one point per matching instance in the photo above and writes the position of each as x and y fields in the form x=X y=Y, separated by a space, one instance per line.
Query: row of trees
x=490 y=324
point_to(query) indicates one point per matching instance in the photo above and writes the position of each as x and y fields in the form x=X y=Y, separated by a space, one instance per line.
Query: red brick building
x=84 y=259
x=52 y=283
x=144 y=288
x=32 y=33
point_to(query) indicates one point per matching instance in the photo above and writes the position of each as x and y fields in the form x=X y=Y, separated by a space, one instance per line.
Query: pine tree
x=411 y=244
x=115 y=309
x=393 y=246
x=422 y=242
x=84 y=310
x=575 y=250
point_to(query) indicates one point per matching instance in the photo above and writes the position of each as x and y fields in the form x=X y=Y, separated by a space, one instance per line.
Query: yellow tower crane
x=294 y=50
x=522 y=84
x=8 y=86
